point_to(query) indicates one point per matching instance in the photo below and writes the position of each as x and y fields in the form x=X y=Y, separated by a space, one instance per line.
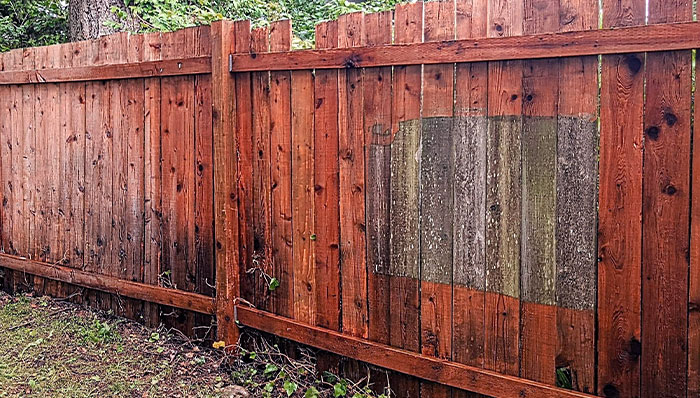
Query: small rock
x=234 y=392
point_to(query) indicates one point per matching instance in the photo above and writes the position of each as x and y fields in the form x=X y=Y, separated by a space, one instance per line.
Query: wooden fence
x=107 y=168
x=477 y=193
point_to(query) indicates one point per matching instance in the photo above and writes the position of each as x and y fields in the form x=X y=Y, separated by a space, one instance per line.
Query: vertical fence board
x=377 y=127
x=7 y=107
x=404 y=266
x=327 y=186
x=245 y=173
x=352 y=183
x=577 y=140
x=665 y=207
x=694 y=285
x=620 y=198
x=98 y=183
x=436 y=184
x=281 y=174
x=539 y=150
x=302 y=83
x=503 y=208
x=469 y=135
x=152 y=177
x=377 y=131
x=225 y=190
x=261 y=172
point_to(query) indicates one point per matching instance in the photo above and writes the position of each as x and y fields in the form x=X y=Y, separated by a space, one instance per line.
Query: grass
x=58 y=349
x=54 y=349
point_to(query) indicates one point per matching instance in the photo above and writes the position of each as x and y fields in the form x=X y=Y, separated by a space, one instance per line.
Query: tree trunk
x=87 y=18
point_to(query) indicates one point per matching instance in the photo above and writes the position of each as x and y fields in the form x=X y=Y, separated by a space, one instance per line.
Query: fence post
x=225 y=172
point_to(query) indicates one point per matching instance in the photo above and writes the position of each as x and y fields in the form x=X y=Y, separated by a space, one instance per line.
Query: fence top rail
x=170 y=67
x=647 y=38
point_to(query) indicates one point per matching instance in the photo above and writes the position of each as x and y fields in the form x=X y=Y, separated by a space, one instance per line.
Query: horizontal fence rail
x=648 y=38
x=170 y=67
x=440 y=371
x=140 y=291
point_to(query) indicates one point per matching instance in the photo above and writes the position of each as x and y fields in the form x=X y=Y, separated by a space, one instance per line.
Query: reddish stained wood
x=203 y=181
x=352 y=184
x=377 y=127
x=193 y=65
x=665 y=211
x=152 y=178
x=111 y=285
x=225 y=190
x=327 y=186
x=244 y=145
x=499 y=46
x=7 y=109
x=432 y=369
x=302 y=101
x=620 y=211
x=262 y=240
x=204 y=186
x=404 y=331
x=577 y=203
x=694 y=285
x=436 y=210
x=281 y=174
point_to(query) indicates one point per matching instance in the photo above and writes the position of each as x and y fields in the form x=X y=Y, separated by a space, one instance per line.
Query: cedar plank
x=327 y=188
x=281 y=175
x=665 y=211
x=620 y=210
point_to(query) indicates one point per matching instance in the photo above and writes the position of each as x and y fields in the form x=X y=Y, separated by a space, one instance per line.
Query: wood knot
x=634 y=64
x=610 y=391
x=653 y=133
x=670 y=118
x=352 y=61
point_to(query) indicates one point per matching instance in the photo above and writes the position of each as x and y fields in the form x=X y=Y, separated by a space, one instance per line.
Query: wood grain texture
x=327 y=186
x=114 y=70
x=503 y=196
x=352 y=184
x=262 y=241
x=244 y=145
x=469 y=223
x=577 y=198
x=377 y=128
x=436 y=195
x=302 y=83
x=694 y=275
x=281 y=174
x=429 y=368
x=665 y=212
x=404 y=266
x=539 y=153
x=499 y=46
x=112 y=285
x=620 y=211
x=225 y=190
x=152 y=178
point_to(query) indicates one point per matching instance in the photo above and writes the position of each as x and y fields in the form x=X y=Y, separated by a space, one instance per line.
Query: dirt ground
x=51 y=348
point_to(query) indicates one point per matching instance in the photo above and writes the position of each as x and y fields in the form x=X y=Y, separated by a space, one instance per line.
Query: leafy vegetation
x=28 y=23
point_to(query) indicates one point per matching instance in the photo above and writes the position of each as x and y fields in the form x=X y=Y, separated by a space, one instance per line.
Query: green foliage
x=305 y=14
x=100 y=333
x=30 y=23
